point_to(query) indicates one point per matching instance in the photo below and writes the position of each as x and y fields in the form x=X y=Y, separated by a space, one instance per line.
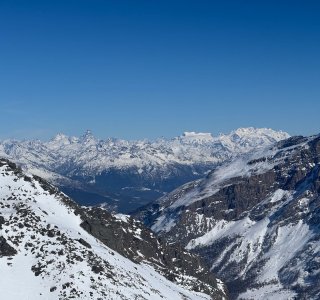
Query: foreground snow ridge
x=45 y=254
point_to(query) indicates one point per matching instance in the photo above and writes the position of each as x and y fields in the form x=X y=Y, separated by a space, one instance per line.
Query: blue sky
x=135 y=69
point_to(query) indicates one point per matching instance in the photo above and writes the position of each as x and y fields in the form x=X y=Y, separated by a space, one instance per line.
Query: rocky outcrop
x=5 y=248
x=133 y=240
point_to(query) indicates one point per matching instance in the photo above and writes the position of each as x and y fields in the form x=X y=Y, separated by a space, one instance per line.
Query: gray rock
x=5 y=248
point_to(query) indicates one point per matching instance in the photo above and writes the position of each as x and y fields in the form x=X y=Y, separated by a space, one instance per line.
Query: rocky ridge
x=51 y=248
x=255 y=220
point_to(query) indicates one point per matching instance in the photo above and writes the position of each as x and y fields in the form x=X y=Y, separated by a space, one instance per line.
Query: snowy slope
x=255 y=220
x=45 y=253
x=121 y=170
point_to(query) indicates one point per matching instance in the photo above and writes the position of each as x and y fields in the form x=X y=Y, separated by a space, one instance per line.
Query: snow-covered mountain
x=51 y=248
x=255 y=220
x=128 y=174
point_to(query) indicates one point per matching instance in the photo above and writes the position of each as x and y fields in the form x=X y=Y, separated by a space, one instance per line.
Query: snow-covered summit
x=197 y=136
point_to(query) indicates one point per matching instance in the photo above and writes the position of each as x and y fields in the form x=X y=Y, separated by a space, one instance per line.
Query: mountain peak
x=59 y=137
x=197 y=136
x=88 y=133
x=88 y=137
x=253 y=131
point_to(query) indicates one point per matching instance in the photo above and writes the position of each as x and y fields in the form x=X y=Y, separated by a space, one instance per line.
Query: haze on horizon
x=148 y=69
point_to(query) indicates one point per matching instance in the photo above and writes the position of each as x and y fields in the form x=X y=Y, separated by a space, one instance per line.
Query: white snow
x=268 y=292
x=289 y=240
x=164 y=224
x=122 y=217
x=279 y=195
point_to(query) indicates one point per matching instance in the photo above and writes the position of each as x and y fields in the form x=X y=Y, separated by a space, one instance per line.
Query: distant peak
x=252 y=131
x=88 y=132
x=59 y=137
x=87 y=136
x=193 y=133
x=199 y=136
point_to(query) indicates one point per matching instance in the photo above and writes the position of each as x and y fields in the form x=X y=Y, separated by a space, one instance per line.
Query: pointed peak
x=87 y=136
x=88 y=133
x=59 y=137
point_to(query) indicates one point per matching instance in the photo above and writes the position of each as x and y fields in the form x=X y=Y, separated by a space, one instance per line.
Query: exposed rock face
x=124 y=175
x=254 y=220
x=54 y=249
x=134 y=241
x=5 y=248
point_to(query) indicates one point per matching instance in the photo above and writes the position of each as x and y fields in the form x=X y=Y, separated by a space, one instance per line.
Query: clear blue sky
x=136 y=69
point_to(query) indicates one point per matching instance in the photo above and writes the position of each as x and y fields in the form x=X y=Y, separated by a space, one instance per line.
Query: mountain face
x=255 y=221
x=127 y=174
x=51 y=248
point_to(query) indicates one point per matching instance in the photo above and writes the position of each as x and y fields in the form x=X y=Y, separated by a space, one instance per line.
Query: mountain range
x=124 y=175
x=251 y=217
x=255 y=220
